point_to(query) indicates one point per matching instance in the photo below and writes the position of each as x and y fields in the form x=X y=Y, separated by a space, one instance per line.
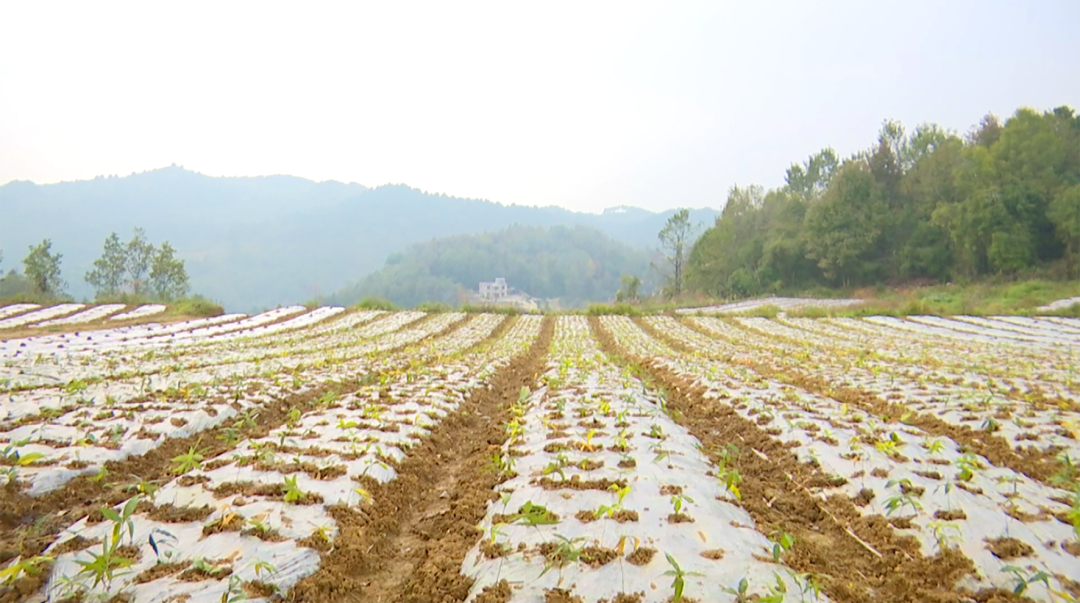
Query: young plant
x=568 y=551
x=19 y=567
x=104 y=567
x=188 y=461
x=679 y=583
x=782 y=542
x=533 y=515
x=678 y=500
x=611 y=510
x=944 y=533
x=122 y=519
x=292 y=492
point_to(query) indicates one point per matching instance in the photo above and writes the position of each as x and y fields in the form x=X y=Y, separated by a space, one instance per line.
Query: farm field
x=332 y=454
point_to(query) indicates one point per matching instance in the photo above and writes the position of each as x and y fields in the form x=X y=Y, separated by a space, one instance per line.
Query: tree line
x=134 y=268
x=925 y=205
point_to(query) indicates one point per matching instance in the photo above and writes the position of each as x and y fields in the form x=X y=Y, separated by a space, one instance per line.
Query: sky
x=584 y=105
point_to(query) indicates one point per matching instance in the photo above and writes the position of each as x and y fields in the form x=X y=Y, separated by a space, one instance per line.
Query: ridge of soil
x=865 y=559
x=409 y=545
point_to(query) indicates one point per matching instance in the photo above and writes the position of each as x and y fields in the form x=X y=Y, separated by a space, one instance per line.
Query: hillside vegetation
x=251 y=243
x=929 y=206
x=575 y=264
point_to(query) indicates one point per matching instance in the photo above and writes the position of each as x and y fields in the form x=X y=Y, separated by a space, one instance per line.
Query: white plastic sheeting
x=840 y=439
x=719 y=527
x=40 y=315
x=354 y=435
x=141 y=312
x=87 y=315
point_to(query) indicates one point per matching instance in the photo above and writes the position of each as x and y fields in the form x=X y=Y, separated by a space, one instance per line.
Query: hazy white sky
x=580 y=104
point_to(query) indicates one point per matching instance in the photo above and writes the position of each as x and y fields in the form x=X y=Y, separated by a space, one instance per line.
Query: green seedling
x=1025 y=578
x=123 y=519
x=935 y=448
x=945 y=533
x=104 y=567
x=20 y=567
x=292 y=492
x=533 y=515
x=234 y=592
x=657 y=432
x=611 y=510
x=678 y=500
x=777 y=591
x=679 y=583
x=190 y=460
x=554 y=467
x=261 y=566
x=568 y=551
x=229 y=435
x=164 y=538
x=782 y=542
x=968 y=466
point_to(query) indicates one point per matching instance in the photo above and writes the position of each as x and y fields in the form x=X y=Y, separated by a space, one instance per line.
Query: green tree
x=42 y=269
x=675 y=238
x=1064 y=212
x=168 y=279
x=630 y=287
x=108 y=275
x=843 y=227
x=138 y=257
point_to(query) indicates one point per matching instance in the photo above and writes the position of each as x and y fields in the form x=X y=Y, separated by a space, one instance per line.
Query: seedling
x=656 y=431
x=943 y=533
x=679 y=583
x=782 y=543
x=611 y=510
x=533 y=515
x=188 y=461
x=104 y=568
x=678 y=500
x=293 y=493
x=123 y=519
x=968 y=465
x=568 y=551
x=1025 y=578
x=261 y=566
x=365 y=497
x=165 y=538
x=20 y=566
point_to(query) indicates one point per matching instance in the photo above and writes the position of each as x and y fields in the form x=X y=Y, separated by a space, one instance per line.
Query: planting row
x=607 y=498
x=253 y=521
x=1011 y=527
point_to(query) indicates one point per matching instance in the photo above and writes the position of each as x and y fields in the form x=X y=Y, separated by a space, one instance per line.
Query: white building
x=494 y=291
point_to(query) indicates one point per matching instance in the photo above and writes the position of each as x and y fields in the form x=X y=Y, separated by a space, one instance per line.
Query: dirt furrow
x=409 y=545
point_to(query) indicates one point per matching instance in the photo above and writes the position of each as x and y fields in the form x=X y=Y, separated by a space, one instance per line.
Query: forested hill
x=575 y=264
x=931 y=204
x=251 y=243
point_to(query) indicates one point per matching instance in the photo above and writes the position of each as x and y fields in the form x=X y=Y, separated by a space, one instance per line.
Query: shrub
x=375 y=303
x=196 y=306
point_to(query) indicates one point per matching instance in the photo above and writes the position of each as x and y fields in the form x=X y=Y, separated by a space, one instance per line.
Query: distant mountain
x=575 y=264
x=257 y=242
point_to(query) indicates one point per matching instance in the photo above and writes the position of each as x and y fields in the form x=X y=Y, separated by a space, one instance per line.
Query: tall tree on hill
x=42 y=269
x=108 y=274
x=140 y=253
x=168 y=279
x=675 y=237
